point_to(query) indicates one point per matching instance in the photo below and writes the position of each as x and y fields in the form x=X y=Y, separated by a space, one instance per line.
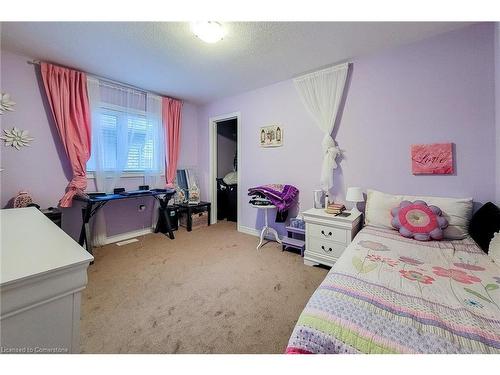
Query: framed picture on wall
x=436 y=158
x=271 y=136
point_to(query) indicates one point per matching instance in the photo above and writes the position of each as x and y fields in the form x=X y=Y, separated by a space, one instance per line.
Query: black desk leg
x=158 y=222
x=163 y=211
x=189 y=220
x=85 y=231
x=209 y=209
x=81 y=239
x=167 y=222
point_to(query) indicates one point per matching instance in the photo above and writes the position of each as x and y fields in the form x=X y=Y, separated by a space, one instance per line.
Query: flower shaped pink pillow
x=418 y=220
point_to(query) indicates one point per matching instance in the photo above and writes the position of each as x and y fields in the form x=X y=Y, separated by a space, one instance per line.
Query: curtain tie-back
x=330 y=150
x=78 y=182
x=330 y=153
x=76 y=186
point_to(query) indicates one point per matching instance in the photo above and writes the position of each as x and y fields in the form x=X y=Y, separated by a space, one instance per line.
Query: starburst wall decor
x=6 y=104
x=16 y=138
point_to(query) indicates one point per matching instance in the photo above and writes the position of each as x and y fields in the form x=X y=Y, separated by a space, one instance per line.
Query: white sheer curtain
x=321 y=92
x=154 y=172
x=155 y=137
x=127 y=136
x=99 y=222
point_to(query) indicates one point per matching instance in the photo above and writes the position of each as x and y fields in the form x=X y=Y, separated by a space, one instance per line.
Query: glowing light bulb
x=208 y=31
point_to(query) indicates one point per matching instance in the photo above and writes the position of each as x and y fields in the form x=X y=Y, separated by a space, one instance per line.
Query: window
x=127 y=134
x=140 y=146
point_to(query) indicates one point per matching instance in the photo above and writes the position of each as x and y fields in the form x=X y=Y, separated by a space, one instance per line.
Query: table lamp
x=354 y=194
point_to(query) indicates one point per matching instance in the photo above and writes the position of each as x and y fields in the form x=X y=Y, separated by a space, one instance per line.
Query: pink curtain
x=66 y=91
x=172 y=125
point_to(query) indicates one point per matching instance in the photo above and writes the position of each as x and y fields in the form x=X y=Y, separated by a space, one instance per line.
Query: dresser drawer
x=324 y=232
x=325 y=247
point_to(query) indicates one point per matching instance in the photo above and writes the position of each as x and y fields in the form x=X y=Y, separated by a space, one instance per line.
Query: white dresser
x=327 y=235
x=43 y=272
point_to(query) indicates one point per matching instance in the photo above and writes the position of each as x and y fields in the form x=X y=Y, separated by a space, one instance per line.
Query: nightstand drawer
x=326 y=248
x=324 y=232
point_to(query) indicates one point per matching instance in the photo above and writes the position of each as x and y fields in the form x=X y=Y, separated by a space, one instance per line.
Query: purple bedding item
x=282 y=196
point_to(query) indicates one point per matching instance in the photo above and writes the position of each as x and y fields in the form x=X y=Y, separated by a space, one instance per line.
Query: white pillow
x=457 y=211
x=494 y=249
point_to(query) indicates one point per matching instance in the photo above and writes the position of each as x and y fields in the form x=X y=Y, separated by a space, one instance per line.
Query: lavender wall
x=437 y=90
x=43 y=170
x=497 y=108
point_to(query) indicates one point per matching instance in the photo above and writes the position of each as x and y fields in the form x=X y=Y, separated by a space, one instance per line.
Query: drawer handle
x=329 y=249
x=327 y=235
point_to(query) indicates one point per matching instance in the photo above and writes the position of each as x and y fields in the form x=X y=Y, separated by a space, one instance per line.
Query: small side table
x=327 y=235
x=194 y=208
x=266 y=229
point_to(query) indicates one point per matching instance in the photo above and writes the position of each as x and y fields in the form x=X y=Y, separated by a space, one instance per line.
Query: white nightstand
x=328 y=235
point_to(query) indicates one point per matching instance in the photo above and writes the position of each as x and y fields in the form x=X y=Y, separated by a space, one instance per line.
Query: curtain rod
x=38 y=62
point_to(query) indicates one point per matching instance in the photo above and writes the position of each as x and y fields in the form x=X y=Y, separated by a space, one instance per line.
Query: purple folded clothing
x=282 y=196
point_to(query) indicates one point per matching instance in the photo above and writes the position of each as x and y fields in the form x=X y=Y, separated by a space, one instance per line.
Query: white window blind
x=127 y=135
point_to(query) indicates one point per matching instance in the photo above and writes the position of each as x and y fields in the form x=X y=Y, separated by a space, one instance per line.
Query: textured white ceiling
x=167 y=58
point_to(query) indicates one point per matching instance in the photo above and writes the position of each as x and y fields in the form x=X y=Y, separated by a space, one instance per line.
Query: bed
x=390 y=294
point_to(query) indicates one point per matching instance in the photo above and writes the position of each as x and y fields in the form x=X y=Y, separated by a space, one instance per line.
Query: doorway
x=225 y=157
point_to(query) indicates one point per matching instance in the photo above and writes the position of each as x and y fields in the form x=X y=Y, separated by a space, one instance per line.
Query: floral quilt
x=390 y=294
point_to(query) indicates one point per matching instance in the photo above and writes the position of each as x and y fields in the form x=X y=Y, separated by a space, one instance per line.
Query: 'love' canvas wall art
x=434 y=158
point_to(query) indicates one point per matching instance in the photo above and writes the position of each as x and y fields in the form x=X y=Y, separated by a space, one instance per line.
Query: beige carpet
x=208 y=291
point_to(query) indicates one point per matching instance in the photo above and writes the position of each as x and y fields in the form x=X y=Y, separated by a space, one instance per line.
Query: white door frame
x=212 y=135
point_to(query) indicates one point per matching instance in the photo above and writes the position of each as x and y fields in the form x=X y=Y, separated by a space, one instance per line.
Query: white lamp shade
x=354 y=194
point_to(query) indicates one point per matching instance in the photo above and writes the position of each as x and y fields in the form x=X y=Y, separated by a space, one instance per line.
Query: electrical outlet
x=142 y=207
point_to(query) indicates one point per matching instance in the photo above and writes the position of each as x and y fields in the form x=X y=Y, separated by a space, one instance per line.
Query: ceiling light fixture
x=208 y=31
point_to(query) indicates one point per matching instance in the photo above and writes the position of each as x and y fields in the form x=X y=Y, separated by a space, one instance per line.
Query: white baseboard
x=253 y=232
x=128 y=235
x=248 y=230
x=142 y=232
